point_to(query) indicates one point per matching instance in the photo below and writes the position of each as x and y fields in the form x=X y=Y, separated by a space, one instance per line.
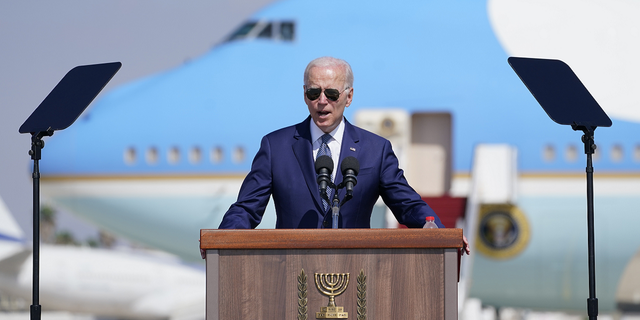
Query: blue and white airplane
x=163 y=157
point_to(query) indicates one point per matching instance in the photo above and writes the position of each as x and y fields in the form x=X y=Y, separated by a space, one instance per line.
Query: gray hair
x=324 y=62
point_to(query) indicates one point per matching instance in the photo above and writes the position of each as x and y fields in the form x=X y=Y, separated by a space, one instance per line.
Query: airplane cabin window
x=549 y=153
x=266 y=32
x=130 y=156
x=152 y=155
x=195 y=156
x=174 y=155
x=596 y=153
x=617 y=153
x=216 y=155
x=238 y=154
x=571 y=154
x=286 y=31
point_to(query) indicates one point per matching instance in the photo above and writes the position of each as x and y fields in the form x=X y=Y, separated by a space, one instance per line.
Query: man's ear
x=349 y=97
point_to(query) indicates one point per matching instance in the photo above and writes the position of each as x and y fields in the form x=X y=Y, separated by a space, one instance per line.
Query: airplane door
x=422 y=142
x=429 y=164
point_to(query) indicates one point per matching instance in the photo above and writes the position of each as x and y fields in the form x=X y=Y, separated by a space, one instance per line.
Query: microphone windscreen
x=324 y=162
x=350 y=163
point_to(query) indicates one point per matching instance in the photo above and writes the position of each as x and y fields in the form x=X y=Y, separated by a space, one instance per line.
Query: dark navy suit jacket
x=284 y=168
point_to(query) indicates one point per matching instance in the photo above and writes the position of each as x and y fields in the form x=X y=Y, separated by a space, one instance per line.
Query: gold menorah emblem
x=332 y=285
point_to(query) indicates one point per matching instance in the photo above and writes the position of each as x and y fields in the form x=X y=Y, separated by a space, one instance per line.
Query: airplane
x=160 y=158
x=122 y=284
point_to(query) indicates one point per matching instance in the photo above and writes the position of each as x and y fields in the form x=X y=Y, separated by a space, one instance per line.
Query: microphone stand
x=335 y=209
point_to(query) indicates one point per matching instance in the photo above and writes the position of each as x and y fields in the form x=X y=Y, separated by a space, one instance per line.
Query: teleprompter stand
x=566 y=101
x=58 y=111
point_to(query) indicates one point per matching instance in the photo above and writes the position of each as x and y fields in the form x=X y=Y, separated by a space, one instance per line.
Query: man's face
x=326 y=113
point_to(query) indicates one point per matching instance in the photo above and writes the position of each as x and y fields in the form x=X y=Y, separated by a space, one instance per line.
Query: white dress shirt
x=334 y=144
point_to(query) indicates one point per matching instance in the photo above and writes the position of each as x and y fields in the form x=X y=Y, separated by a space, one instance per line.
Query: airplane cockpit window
x=243 y=31
x=275 y=30
x=266 y=32
x=286 y=31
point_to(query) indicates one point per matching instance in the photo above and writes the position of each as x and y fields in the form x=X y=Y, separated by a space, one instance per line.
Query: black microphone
x=324 y=167
x=350 y=168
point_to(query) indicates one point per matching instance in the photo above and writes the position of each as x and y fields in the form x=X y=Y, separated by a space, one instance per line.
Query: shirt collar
x=337 y=133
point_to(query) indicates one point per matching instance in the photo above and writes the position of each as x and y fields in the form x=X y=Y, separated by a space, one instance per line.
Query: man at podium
x=285 y=165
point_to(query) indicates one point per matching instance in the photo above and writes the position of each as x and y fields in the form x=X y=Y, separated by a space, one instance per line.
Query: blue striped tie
x=325 y=151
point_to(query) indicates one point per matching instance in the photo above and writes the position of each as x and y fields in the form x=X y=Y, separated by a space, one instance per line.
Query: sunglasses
x=331 y=94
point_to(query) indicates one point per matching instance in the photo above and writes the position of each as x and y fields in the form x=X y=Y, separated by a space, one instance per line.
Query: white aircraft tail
x=493 y=180
x=13 y=252
x=9 y=229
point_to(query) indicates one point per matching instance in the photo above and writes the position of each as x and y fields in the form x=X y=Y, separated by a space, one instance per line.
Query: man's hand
x=465 y=246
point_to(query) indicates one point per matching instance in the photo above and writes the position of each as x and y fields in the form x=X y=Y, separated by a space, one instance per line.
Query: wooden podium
x=272 y=274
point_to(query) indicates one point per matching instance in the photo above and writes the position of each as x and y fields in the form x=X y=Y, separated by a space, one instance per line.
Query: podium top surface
x=215 y=239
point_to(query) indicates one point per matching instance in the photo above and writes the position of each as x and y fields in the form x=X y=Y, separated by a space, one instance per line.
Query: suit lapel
x=303 y=150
